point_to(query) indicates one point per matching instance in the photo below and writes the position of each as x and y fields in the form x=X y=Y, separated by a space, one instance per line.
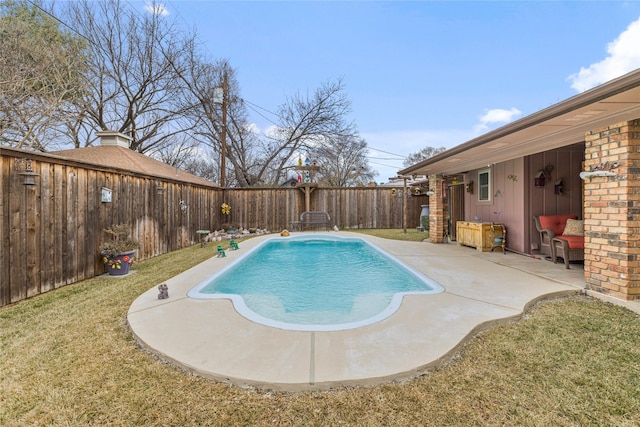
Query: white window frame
x=487 y=186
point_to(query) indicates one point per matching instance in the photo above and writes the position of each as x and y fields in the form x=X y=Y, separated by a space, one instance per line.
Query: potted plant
x=118 y=252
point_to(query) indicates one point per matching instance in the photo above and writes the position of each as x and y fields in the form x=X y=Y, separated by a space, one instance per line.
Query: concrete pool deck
x=209 y=338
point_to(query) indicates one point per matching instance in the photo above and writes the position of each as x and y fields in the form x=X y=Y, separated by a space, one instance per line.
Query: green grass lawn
x=68 y=358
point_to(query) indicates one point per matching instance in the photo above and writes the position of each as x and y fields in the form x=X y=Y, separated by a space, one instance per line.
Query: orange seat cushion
x=555 y=223
x=575 y=242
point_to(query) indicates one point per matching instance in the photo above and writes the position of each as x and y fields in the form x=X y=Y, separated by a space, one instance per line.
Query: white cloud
x=272 y=131
x=156 y=9
x=624 y=56
x=253 y=128
x=497 y=115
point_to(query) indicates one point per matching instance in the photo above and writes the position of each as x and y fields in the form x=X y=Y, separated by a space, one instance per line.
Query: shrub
x=120 y=241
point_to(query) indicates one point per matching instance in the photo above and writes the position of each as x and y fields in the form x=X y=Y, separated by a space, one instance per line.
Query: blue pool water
x=315 y=282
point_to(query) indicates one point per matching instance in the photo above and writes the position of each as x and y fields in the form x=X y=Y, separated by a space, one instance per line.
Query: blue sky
x=419 y=73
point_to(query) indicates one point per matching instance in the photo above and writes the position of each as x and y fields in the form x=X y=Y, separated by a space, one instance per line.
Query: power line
x=383 y=158
x=382 y=164
x=387 y=152
x=257 y=106
x=254 y=107
x=46 y=12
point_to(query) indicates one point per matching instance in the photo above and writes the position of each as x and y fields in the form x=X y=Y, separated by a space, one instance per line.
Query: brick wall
x=436 y=210
x=612 y=211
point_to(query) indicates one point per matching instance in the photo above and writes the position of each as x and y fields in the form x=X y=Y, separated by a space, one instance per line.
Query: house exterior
x=498 y=177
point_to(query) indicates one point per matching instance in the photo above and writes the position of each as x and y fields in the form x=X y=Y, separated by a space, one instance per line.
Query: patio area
x=208 y=337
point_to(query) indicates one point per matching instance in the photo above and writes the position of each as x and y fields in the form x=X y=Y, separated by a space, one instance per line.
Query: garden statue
x=164 y=291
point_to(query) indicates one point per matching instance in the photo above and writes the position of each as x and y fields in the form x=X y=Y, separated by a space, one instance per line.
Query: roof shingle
x=123 y=158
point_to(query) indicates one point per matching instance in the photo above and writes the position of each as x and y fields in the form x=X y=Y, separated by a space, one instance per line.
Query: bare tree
x=41 y=69
x=210 y=88
x=140 y=75
x=343 y=162
x=254 y=159
x=132 y=78
x=306 y=122
x=203 y=167
x=425 y=153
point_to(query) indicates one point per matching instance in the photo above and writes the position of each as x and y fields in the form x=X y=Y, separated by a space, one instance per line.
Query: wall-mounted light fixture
x=470 y=187
x=418 y=191
x=159 y=188
x=24 y=169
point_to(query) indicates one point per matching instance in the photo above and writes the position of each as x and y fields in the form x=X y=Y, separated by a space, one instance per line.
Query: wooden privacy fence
x=51 y=232
x=361 y=207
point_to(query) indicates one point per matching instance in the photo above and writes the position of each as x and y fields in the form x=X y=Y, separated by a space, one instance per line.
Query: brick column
x=612 y=211
x=436 y=210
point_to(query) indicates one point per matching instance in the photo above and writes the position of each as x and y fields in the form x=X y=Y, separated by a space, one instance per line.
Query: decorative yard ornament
x=164 y=291
x=221 y=252
x=542 y=176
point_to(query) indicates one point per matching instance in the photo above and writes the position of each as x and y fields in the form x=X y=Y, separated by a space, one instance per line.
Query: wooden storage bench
x=478 y=235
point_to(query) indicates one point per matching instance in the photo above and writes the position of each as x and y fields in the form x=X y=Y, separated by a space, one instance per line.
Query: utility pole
x=223 y=138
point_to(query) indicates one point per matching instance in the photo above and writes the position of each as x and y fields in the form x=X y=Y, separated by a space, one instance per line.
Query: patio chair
x=550 y=226
x=569 y=248
x=233 y=245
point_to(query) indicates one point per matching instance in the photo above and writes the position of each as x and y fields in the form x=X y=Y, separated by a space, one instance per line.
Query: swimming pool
x=315 y=283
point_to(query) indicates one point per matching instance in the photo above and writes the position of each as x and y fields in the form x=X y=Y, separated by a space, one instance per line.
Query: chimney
x=112 y=137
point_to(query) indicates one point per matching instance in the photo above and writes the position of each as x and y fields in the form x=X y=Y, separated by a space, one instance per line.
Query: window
x=484 y=185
